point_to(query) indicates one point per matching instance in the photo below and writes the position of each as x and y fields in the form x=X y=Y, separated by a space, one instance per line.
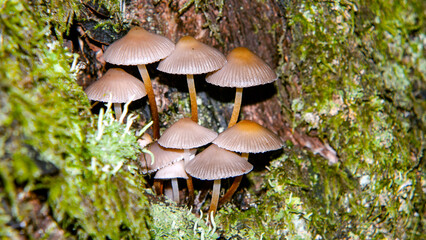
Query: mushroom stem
x=215 y=197
x=151 y=99
x=234 y=185
x=117 y=110
x=168 y=191
x=175 y=187
x=158 y=187
x=193 y=97
x=189 y=183
x=237 y=107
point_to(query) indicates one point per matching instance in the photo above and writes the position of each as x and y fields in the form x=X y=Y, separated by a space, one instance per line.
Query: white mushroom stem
x=175 y=187
x=237 y=107
x=168 y=191
x=151 y=99
x=215 y=197
x=193 y=97
x=117 y=110
x=234 y=185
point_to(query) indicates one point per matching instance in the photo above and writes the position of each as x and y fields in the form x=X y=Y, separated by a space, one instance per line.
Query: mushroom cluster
x=172 y=155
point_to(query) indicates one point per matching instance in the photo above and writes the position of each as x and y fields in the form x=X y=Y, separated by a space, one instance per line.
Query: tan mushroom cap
x=192 y=57
x=175 y=170
x=248 y=137
x=162 y=157
x=186 y=134
x=243 y=69
x=119 y=84
x=216 y=163
x=137 y=47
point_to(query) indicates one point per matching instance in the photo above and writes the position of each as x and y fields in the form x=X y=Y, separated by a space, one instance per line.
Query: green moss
x=172 y=222
x=358 y=65
x=48 y=142
x=276 y=210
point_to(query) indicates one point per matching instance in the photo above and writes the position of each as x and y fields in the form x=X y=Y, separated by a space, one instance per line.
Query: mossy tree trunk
x=349 y=104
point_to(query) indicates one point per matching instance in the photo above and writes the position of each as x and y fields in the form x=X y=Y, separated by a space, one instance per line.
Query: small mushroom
x=118 y=86
x=243 y=69
x=163 y=157
x=140 y=47
x=192 y=57
x=246 y=137
x=215 y=163
x=173 y=172
x=186 y=134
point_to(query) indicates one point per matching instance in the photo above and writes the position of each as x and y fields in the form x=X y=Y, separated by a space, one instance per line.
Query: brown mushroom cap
x=162 y=157
x=216 y=163
x=192 y=57
x=243 y=69
x=119 y=84
x=248 y=137
x=138 y=46
x=174 y=170
x=186 y=134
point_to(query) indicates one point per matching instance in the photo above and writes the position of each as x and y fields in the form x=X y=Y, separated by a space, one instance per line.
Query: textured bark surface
x=257 y=25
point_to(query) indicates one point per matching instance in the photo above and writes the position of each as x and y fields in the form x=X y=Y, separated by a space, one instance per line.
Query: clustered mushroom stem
x=158 y=187
x=117 y=110
x=189 y=183
x=193 y=97
x=234 y=185
x=237 y=107
x=231 y=190
x=215 y=197
x=190 y=186
x=151 y=99
x=175 y=188
x=168 y=191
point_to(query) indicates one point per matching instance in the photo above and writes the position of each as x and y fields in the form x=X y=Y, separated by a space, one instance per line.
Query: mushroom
x=173 y=172
x=117 y=86
x=139 y=47
x=215 y=163
x=192 y=57
x=186 y=134
x=246 y=137
x=163 y=157
x=243 y=69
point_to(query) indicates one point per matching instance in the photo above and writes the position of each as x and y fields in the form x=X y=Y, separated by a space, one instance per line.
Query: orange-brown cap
x=192 y=57
x=243 y=69
x=186 y=134
x=117 y=82
x=162 y=157
x=175 y=170
x=138 y=46
x=216 y=163
x=248 y=137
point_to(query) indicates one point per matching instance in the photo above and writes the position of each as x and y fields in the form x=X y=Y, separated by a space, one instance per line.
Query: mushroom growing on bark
x=173 y=172
x=163 y=157
x=117 y=86
x=215 y=163
x=243 y=69
x=140 y=47
x=246 y=137
x=186 y=134
x=192 y=57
